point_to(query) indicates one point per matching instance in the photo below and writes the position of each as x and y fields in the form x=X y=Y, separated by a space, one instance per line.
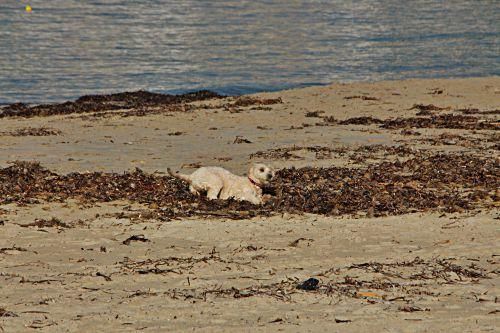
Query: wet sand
x=67 y=265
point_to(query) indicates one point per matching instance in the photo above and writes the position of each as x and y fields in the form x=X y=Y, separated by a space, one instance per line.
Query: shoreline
x=222 y=91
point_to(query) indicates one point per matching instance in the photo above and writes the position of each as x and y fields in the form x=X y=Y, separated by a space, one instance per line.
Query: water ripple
x=64 y=49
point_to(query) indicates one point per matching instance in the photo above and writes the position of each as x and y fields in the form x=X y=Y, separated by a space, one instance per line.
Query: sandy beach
x=387 y=194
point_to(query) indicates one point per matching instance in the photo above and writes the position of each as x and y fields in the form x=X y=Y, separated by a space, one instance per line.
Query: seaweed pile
x=358 y=121
x=491 y=141
x=449 y=121
x=33 y=131
x=364 y=98
x=357 y=155
x=97 y=103
x=250 y=101
x=445 y=182
x=285 y=153
x=239 y=103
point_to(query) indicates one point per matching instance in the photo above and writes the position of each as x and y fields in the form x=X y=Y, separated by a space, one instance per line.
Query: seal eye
x=261 y=169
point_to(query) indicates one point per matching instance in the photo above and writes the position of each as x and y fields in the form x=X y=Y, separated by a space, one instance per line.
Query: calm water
x=66 y=48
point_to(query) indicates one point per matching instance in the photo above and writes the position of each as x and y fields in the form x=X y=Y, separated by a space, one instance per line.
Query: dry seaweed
x=42 y=223
x=364 y=98
x=244 y=101
x=135 y=238
x=98 y=103
x=175 y=133
x=240 y=139
x=429 y=107
x=436 y=91
x=285 y=152
x=32 y=131
x=176 y=265
x=4 y=250
x=477 y=111
x=416 y=277
x=357 y=155
x=276 y=153
x=329 y=120
x=464 y=141
x=314 y=114
x=445 y=182
x=407 y=131
x=106 y=277
x=450 y=121
x=360 y=121
x=6 y=313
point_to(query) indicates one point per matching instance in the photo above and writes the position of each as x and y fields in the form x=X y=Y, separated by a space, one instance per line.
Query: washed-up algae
x=448 y=121
x=402 y=281
x=99 y=103
x=446 y=182
x=32 y=131
x=137 y=103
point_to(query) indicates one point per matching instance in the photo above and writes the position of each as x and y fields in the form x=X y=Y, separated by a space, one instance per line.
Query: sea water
x=63 y=49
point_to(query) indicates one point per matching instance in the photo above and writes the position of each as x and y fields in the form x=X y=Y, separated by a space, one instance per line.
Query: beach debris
x=240 y=139
x=6 y=250
x=286 y=152
x=7 y=313
x=436 y=91
x=296 y=242
x=106 y=277
x=450 y=121
x=312 y=114
x=364 y=98
x=411 y=308
x=321 y=152
x=328 y=120
x=277 y=320
x=249 y=101
x=238 y=104
x=407 y=131
x=414 y=277
x=223 y=159
x=135 y=238
x=341 y=321
x=368 y=294
x=42 y=223
x=140 y=101
x=41 y=323
x=309 y=284
x=426 y=110
x=422 y=182
x=194 y=165
x=360 y=121
x=477 y=111
x=428 y=107
x=32 y=131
